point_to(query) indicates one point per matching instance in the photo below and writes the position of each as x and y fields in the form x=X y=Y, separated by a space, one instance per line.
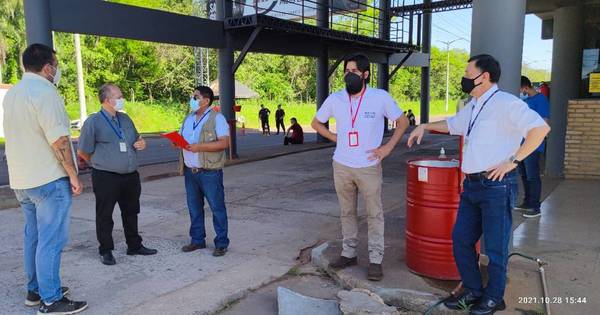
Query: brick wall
x=582 y=151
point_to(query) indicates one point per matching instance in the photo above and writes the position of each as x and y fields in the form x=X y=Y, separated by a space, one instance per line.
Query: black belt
x=196 y=170
x=484 y=174
x=476 y=176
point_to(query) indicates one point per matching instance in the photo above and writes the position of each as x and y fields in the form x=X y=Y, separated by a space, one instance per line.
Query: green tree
x=12 y=39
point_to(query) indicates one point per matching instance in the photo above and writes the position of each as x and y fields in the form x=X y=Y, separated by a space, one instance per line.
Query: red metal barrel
x=433 y=195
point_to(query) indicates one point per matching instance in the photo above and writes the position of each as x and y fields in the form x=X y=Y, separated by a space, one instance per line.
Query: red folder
x=176 y=139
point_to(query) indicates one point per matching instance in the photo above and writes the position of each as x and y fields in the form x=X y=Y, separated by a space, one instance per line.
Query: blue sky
x=448 y=26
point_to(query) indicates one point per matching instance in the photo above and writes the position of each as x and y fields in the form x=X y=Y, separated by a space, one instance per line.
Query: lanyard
x=353 y=115
x=471 y=124
x=196 y=124
x=118 y=132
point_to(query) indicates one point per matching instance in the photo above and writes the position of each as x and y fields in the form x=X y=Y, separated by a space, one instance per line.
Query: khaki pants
x=348 y=182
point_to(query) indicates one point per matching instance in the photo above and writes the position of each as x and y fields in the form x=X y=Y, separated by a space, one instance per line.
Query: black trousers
x=279 y=122
x=265 y=126
x=110 y=189
x=289 y=140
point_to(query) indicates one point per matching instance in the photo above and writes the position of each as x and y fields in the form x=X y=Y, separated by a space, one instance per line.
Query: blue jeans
x=46 y=209
x=485 y=208
x=532 y=183
x=209 y=185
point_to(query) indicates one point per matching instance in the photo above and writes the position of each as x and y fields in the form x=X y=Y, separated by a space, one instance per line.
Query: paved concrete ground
x=566 y=237
x=159 y=149
x=276 y=208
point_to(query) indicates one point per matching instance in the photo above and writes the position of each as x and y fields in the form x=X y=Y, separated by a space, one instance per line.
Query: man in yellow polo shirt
x=43 y=174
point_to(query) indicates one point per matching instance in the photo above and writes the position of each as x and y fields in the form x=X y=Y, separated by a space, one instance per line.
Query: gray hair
x=105 y=92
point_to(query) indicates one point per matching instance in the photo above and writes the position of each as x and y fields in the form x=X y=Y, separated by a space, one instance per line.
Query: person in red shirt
x=545 y=89
x=297 y=136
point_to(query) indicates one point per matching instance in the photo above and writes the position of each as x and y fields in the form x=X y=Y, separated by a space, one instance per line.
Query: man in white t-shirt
x=359 y=112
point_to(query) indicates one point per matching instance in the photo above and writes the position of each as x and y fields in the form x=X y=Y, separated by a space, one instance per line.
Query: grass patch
x=163 y=116
x=148 y=118
x=294 y=272
x=305 y=112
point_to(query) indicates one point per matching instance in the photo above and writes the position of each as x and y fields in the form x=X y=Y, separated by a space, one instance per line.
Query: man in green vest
x=203 y=160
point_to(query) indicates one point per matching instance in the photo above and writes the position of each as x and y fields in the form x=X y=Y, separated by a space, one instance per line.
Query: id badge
x=353 y=138
x=123 y=146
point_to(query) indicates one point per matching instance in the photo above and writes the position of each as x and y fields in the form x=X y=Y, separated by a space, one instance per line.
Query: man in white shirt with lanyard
x=359 y=112
x=493 y=124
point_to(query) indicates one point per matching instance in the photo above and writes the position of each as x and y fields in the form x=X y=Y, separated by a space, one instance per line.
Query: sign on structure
x=288 y=9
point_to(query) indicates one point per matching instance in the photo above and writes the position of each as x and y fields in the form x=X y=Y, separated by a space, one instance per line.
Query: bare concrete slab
x=292 y=303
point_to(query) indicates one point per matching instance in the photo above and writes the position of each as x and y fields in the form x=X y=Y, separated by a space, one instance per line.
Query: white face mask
x=194 y=104
x=119 y=104
x=523 y=96
x=56 y=77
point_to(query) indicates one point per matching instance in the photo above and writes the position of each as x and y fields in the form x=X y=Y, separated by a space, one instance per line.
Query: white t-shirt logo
x=370 y=115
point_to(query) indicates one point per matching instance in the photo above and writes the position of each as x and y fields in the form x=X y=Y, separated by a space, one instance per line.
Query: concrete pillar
x=566 y=77
x=37 y=22
x=425 y=71
x=226 y=76
x=323 y=60
x=497 y=29
x=383 y=69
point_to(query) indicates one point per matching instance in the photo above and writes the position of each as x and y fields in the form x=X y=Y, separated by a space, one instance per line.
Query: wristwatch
x=513 y=159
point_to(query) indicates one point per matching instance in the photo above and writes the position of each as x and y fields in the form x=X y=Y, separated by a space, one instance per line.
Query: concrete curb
x=249 y=277
x=406 y=299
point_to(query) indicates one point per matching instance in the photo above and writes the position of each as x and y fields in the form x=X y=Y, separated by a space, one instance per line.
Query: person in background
x=530 y=167
x=279 y=116
x=297 y=136
x=202 y=164
x=360 y=113
x=263 y=115
x=545 y=90
x=42 y=172
x=109 y=142
x=411 y=118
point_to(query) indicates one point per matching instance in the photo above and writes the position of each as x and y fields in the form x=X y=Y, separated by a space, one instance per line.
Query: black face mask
x=354 y=83
x=468 y=85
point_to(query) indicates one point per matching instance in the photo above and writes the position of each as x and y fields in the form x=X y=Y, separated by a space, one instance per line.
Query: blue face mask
x=194 y=104
x=523 y=96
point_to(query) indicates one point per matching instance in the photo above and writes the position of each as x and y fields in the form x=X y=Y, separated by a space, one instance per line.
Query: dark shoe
x=144 y=251
x=34 y=299
x=487 y=307
x=343 y=262
x=523 y=207
x=375 y=272
x=108 y=259
x=462 y=301
x=219 y=252
x=532 y=213
x=63 y=306
x=192 y=247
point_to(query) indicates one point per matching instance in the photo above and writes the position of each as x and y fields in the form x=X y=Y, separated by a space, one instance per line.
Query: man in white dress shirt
x=493 y=124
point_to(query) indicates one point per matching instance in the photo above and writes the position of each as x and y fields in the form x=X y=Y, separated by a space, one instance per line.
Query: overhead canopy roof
x=279 y=37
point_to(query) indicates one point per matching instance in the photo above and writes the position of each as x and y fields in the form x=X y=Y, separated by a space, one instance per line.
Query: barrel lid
x=435 y=163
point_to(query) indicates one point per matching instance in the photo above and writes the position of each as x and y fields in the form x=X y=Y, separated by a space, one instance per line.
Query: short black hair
x=525 y=82
x=36 y=56
x=294 y=119
x=105 y=92
x=489 y=64
x=206 y=92
x=362 y=63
